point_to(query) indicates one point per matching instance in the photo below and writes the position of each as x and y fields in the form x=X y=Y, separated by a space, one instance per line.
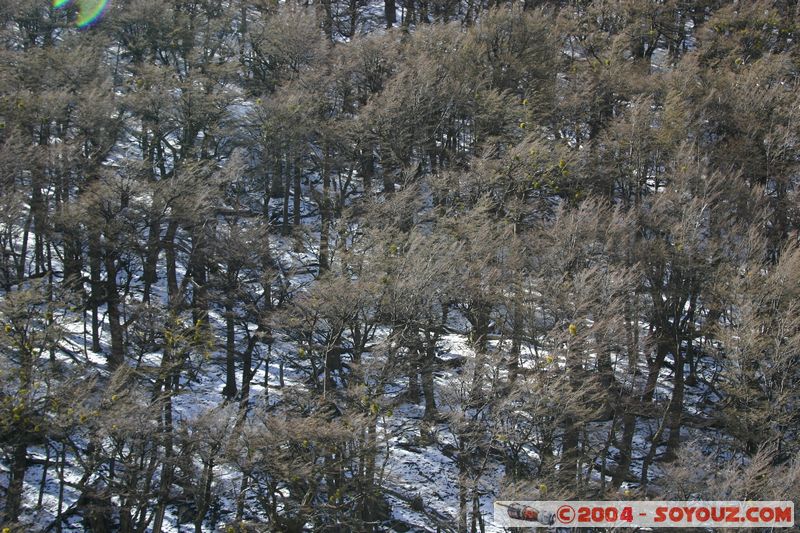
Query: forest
x=363 y=265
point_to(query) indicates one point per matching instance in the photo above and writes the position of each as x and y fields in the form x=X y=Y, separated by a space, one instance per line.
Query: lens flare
x=89 y=11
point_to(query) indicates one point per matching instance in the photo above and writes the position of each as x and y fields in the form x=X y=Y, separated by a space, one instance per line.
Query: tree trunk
x=198 y=268
x=15 y=483
x=388 y=182
x=353 y=12
x=23 y=254
x=205 y=498
x=408 y=18
x=390 y=12
x=413 y=377
x=43 y=479
x=675 y=406
x=431 y=412
x=247 y=372
x=149 y=268
x=169 y=376
x=653 y=370
x=625 y=448
x=571 y=438
x=325 y=214
x=96 y=287
x=327 y=21
x=172 y=267
x=369 y=471
x=516 y=335
x=423 y=11
x=60 y=506
x=39 y=211
x=463 y=478
x=117 y=355
x=285 y=213
x=297 y=193
x=368 y=163
x=480 y=338
x=229 y=391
